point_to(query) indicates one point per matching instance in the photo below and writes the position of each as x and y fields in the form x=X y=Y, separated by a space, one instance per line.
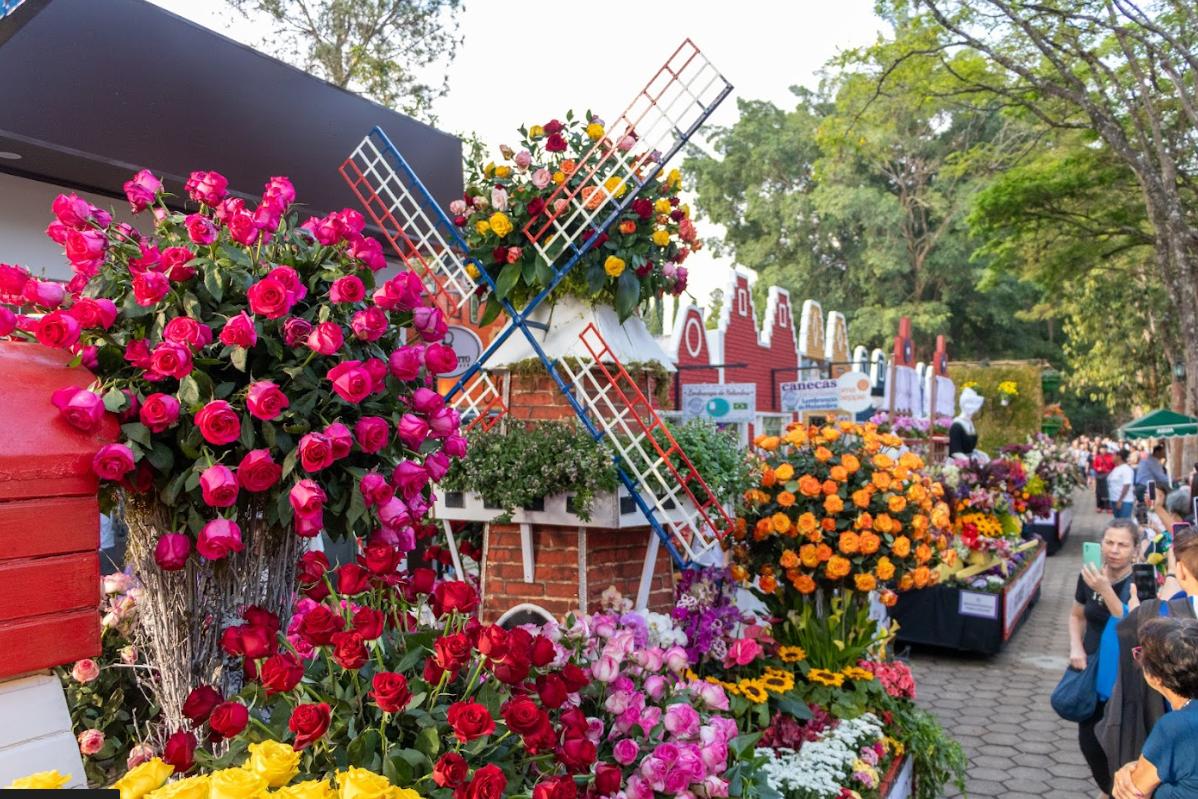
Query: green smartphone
x=1092 y=554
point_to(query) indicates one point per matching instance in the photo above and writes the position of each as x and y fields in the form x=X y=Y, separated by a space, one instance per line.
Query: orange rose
x=919 y=522
x=568 y=166
x=762 y=530
x=923 y=553
x=780 y=522
x=628 y=227
x=865 y=582
x=917 y=493
x=901 y=474
x=829 y=524
x=906 y=582
x=885 y=568
x=872 y=445
x=808 y=556
x=940 y=517
x=767 y=443
x=824 y=552
x=807 y=523
x=881 y=480
x=889 y=599
x=768 y=584
x=823 y=454
x=850 y=463
x=768 y=477
x=864 y=522
x=838 y=567
x=815 y=536
x=830 y=433
x=862 y=497
x=785 y=471
x=937 y=490
x=882 y=461
x=884 y=524
x=896 y=504
x=833 y=504
x=786 y=499
x=796 y=436
x=901 y=546
x=789 y=559
x=739 y=573
x=810 y=486
x=909 y=460
x=804 y=584
x=849 y=543
x=922 y=576
x=870 y=543
x=838 y=473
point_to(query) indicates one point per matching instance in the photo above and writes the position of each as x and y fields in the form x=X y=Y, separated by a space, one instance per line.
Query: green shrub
x=996 y=425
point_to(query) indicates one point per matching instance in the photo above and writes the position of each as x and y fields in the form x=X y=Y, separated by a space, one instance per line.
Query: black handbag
x=1075 y=697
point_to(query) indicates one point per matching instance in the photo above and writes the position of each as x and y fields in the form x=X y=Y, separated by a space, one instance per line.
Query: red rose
x=281 y=673
x=556 y=143
x=228 y=719
x=340 y=439
x=543 y=652
x=469 y=720
x=319 y=625
x=352 y=579
x=439 y=359
x=159 y=412
x=239 y=331
x=513 y=669
x=642 y=207
x=452 y=651
x=553 y=126
x=171 y=551
x=351 y=381
x=555 y=788
x=218 y=538
x=608 y=778
x=307 y=498
x=577 y=754
x=257 y=471
x=199 y=704
x=312 y=568
x=373 y=433
x=349 y=650
x=149 y=288
x=180 y=751
x=493 y=642
x=58 y=329
x=265 y=400
x=390 y=692
x=489 y=782
x=219 y=423
x=347 y=289
x=316 y=452
x=219 y=486
x=380 y=558
x=576 y=679
x=257 y=642
x=522 y=715
x=187 y=331
x=454 y=596
x=270 y=298
x=551 y=688
x=535 y=206
x=542 y=739
x=308 y=722
x=368 y=623
x=450 y=770
x=421 y=580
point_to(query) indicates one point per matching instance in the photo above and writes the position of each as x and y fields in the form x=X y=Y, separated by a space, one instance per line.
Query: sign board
x=1019 y=594
x=908 y=396
x=978 y=605
x=720 y=402
x=466 y=345
x=849 y=393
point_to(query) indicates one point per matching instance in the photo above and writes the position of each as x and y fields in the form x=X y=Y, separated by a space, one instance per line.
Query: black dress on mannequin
x=961 y=440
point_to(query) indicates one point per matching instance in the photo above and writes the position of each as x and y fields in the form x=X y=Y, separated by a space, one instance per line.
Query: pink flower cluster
x=894 y=675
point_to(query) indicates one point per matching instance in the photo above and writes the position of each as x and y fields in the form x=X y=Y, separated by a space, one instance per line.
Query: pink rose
x=347 y=289
x=373 y=433
x=113 y=461
x=436 y=464
x=85 y=670
x=91 y=742
x=412 y=431
x=523 y=160
x=219 y=486
x=270 y=298
x=425 y=401
x=541 y=178
x=410 y=478
x=72 y=210
x=440 y=359
x=308 y=526
x=265 y=400
x=402 y=292
x=171 y=359
x=279 y=191
x=12 y=280
x=200 y=229
x=83 y=409
x=405 y=362
x=47 y=294
x=713 y=696
x=375 y=489
x=142 y=190
x=219 y=423
x=499 y=198
x=560 y=205
x=58 y=329
x=239 y=332
x=8 y=321
x=606 y=669
x=149 y=288
x=316 y=452
x=369 y=252
x=682 y=720
x=149 y=259
x=257 y=471
x=677 y=660
x=394 y=514
x=171 y=551
x=218 y=538
x=93 y=313
x=307 y=498
x=185 y=330
x=351 y=381
x=455 y=446
x=370 y=324
x=242 y=228
x=174 y=264
x=340 y=439
x=326 y=338
x=208 y=188
x=291 y=281
x=295 y=331
x=443 y=422
x=429 y=323
x=159 y=412
x=85 y=249
x=625 y=751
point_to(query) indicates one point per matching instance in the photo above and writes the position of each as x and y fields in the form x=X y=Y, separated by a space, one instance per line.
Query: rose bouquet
x=514 y=209
x=988 y=500
x=267 y=384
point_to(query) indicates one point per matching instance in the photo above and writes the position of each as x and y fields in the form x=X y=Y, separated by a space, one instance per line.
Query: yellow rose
x=613 y=266
x=141 y=780
x=685 y=209
x=489 y=169
x=615 y=187
x=42 y=781
x=404 y=793
x=236 y=783
x=472 y=270
x=559 y=177
x=275 y=762
x=662 y=206
x=308 y=789
x=503 y=171
x=536 y=132
x=189 y=788
x=661 y=238
x=482 y=226
x=500 y=224
x=360 y=783
x=674 y=178
x=595 y=131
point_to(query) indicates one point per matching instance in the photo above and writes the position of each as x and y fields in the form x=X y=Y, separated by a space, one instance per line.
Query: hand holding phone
x=1092 y=554
x=1144 y=578
x=1152 y=492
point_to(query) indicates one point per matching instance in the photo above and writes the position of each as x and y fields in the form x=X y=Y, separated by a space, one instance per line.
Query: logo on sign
x=466 y=345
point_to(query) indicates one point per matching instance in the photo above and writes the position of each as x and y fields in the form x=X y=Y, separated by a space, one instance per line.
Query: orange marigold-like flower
x=880 y=480
x=910 y=460
x=809 y=486
x=885 y=568
x=901 y=546
x=833 y=504
x=807 y=523
x=849 y=543
x=786 y=499
x=784 y=472
x=870 y=543
x=922 y=576
x=829 y=487
x=824 y=552
x=896 y=504
x=789 y=559
x=864 y=521
x=823 y=454
x=808 y=556
x=838 y=473
x=862 y=497
x=780 y=522
x=850 y=462
x=768 y=584
x=864 y=582
x=838 y=567
x=804 y=584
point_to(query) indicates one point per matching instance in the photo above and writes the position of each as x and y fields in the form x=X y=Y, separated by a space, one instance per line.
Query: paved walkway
x=998 y=707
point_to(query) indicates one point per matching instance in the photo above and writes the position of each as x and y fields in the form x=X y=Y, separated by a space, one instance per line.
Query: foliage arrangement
x=716 y=455
x=563 y=182
x=996 y=424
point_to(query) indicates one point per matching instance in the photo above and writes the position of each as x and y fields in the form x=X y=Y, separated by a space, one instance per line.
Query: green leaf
x=214 y=282
x=596 y=277
x=289 y=463
x=508 y=277
x=364 y=747
x=491 y=312
x=628 y=294
x=223 y=390
x=161 y=457
x=192 y=305
x=115 y=400
x=247 y=432
x=131 y=310
x=189 y=391
x=136 y=431
x=543 y=274
x=427 y=741
x=357 y=509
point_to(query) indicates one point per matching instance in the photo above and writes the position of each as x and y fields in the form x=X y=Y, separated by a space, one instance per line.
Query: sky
x=519 y=65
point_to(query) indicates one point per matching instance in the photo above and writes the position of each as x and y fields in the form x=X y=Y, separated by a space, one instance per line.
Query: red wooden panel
x=46 y=641
x=38 y=586
x=57 y=526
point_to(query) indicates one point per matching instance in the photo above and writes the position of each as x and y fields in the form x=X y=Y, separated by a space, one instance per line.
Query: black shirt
x=961 y=441
x=1096 y=612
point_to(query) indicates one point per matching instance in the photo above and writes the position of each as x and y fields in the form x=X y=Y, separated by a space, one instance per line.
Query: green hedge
x=998 y=426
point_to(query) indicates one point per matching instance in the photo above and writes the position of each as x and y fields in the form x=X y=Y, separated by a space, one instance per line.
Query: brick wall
x=535 y=397
x=613 y=557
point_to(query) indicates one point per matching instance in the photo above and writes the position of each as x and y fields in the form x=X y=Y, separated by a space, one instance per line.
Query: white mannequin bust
x=963 y=435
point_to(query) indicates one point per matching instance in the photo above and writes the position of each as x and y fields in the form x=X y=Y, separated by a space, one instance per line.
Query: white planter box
x=611 y=511
x=38 y=734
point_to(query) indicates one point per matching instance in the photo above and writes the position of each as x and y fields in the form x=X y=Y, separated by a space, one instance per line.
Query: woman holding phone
x=1103 y=588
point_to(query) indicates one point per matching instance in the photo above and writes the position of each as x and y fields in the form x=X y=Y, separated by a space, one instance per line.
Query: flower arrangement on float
x=516 y=207
x=909 y=427
x=268 y=387
x=1054 y=476
x=989 y=500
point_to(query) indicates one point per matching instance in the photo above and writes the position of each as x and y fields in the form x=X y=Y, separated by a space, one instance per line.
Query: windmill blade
x=672 y=493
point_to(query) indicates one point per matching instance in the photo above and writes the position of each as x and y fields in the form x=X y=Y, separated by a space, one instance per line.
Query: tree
x=381 y=49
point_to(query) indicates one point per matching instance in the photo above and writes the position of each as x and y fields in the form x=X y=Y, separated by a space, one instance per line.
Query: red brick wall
x=535 y=397
x=613 y=557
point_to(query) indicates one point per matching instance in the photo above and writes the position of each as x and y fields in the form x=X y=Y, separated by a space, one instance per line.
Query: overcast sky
x=519 y=65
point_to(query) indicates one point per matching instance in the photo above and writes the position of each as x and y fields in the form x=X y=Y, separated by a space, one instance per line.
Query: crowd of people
x=1141 y=652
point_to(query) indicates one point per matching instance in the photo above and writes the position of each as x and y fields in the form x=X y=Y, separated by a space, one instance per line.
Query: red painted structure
x=49 y=517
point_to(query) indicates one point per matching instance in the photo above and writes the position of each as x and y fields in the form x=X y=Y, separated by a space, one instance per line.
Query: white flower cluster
x=821 y=767
x=662 y=630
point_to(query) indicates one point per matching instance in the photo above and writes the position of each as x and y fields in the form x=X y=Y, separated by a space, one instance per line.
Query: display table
x=899 y=780
x=1053 y=529
x=970 y=621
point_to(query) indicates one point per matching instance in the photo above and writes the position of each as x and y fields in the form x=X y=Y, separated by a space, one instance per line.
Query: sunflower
x=825 y=677
x=858 y=674
x=754 y=691
x=791 y=654
x=777 y=682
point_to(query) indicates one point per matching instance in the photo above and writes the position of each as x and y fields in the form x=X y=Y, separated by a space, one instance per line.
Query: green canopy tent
x=1160 y=424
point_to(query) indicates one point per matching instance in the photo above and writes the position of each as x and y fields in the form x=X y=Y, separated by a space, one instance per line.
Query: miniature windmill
x=662 y=117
